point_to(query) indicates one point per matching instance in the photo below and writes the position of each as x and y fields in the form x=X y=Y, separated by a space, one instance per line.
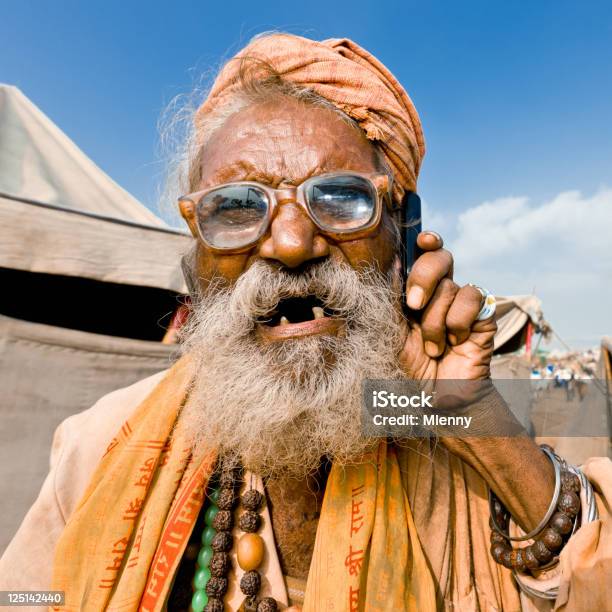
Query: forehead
x=284 y=141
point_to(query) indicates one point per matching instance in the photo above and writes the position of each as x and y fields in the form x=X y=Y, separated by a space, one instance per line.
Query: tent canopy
x=513 y=313
x=39 y=162
x=61 y=214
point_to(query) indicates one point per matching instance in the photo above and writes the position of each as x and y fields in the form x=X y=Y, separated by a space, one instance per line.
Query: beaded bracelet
x=551 y=533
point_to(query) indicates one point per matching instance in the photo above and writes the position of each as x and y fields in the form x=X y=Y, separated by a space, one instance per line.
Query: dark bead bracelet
x=550 y=536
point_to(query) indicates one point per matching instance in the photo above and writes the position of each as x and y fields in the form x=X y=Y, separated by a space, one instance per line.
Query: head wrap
x=349 y=77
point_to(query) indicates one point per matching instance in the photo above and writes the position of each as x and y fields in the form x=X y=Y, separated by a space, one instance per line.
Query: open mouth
x=297 y=317
x=296 y=310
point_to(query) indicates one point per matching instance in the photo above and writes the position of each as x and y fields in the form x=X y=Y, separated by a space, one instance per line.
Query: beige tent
x=89 y=277
x=514 y=314
x=60 y=214
x=518 y=317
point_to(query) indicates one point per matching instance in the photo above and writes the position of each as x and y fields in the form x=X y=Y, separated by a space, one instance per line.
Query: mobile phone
x=410 y=227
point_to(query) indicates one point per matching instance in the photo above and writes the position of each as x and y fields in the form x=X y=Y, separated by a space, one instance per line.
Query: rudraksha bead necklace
x=210 y=582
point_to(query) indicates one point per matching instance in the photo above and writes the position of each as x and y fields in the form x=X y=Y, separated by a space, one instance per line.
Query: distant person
x=569 y=389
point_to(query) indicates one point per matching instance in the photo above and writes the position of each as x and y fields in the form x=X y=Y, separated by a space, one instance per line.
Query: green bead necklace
x=200 y=598
x=213 y=563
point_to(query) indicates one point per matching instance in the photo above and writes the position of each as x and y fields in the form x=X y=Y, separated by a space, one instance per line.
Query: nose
x=294 y=239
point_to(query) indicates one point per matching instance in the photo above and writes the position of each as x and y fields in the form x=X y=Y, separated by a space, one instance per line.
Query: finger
x=428 y=270
x=433 y=321
x=462 y=314
x=429 y=241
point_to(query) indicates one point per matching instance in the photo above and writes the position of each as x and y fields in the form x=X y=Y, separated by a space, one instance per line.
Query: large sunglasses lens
x=232 y=216
x=341 y=203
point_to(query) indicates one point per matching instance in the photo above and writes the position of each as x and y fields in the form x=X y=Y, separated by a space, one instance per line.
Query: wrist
x=551 y=533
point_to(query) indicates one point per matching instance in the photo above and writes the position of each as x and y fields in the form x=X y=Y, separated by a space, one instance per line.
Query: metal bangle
x=592 y=514
x=551 y=509
x=589 y=514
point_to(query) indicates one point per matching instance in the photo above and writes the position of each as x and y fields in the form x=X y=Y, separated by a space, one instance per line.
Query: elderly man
x=240 y=478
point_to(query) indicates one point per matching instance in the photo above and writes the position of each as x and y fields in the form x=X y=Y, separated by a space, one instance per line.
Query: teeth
x=284 y=321
x=318 y=313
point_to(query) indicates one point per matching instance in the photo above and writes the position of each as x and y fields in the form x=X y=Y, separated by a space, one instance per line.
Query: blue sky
x=515 y=97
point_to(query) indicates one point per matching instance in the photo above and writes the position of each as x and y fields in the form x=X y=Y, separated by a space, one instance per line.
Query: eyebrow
x=241 y=170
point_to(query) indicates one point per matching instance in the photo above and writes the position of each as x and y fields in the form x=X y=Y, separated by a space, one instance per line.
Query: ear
x=188 y=266
x=188 y=212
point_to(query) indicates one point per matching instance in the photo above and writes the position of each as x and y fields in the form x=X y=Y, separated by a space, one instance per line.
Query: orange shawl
x=122 y=546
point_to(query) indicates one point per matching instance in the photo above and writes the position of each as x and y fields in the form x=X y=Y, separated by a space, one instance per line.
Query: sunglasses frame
x=380 y=182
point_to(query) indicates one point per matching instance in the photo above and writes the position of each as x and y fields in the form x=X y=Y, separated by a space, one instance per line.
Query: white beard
x=280 y=407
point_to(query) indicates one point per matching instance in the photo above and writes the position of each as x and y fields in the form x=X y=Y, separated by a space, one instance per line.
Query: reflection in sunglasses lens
x=232 y=216
x=342 y=203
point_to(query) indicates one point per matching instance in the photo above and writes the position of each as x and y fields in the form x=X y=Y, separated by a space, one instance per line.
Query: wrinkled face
x=282 y=144
x=284 y=341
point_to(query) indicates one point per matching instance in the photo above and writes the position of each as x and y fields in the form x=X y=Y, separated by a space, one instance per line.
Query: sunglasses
x=343 y=205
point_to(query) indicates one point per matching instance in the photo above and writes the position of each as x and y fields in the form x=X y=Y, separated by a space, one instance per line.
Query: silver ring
x=489 y=304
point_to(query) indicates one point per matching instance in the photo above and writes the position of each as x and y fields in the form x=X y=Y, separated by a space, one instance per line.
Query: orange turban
x=350 y=78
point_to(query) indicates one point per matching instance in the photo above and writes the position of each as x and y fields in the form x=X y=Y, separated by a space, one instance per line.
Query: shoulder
x=78 y=445
x=81 y=439
x=107 y=415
